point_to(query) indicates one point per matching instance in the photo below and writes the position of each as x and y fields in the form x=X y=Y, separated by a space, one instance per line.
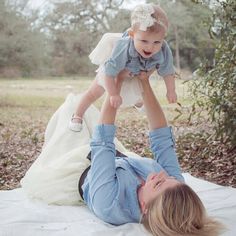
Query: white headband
x=142 y=15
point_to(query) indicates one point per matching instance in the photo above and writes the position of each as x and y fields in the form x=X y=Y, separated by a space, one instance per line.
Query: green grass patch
x=21 y=98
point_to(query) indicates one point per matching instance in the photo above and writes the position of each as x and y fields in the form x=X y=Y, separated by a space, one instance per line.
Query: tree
x=21 y=47
x=76 y=27
x=188 y=35
x=215 y=89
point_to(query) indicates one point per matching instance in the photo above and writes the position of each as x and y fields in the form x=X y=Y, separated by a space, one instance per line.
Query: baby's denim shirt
x=125 y=56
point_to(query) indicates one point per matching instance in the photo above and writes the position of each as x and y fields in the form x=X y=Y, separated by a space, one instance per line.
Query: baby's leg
x=94 y=92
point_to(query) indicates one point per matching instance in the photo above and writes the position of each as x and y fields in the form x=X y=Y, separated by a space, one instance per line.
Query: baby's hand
x=115 y=101
x=171 y=96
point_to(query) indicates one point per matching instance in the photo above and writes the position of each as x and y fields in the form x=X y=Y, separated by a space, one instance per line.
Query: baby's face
x=147 y=43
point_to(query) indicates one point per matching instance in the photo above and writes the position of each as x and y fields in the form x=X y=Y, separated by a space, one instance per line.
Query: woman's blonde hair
x=162 y=22
x=179 y=211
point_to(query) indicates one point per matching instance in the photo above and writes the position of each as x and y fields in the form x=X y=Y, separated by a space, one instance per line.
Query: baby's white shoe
x=76 y=123
x=140 y=109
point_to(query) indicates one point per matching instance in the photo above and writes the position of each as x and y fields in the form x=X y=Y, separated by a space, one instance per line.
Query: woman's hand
x=144 y=75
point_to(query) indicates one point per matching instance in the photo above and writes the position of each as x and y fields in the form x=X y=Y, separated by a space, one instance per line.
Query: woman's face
x=156 y=184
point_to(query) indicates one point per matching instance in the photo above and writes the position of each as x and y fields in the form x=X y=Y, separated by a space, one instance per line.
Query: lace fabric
x=142 y=15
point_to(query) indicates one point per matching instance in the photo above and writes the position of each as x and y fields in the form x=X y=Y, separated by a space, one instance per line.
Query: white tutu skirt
x=54 y=176
x=131 y=90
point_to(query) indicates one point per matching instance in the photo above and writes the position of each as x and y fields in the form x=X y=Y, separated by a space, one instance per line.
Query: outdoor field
x=57 y=181
x=28 y=104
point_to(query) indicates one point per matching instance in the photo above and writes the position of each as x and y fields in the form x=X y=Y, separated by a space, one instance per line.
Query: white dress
x=131 y=90
x=53 y=177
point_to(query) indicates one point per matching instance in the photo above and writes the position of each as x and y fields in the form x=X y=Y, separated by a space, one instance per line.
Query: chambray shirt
x=110 y=188
x=125 y=56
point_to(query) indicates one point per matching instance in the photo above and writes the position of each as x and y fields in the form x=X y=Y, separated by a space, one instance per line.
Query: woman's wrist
x=108 y=113
x=145 y=84
x=110 y=85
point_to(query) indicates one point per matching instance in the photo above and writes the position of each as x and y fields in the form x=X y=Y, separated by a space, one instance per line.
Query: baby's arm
x=170 y=87
x=167 y=71
x=113 y=91
x=113 y=67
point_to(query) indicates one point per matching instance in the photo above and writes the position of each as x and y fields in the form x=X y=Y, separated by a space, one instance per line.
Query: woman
x=125 y=189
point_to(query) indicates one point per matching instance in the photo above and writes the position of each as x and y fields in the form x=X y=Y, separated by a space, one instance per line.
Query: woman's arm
x=161 y=137
x=102 y=179
x=155 y=114
x=108 y=112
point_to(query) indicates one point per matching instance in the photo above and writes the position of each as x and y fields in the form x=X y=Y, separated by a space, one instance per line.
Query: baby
x=121 y=58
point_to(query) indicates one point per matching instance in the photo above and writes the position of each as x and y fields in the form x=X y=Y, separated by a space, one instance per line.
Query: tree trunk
x=177 y=59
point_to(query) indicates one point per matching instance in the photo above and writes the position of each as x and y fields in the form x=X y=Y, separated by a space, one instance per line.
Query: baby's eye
x=144 y=41
x=157 y=42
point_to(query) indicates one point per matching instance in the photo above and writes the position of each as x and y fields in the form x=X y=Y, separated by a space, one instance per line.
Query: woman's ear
x=143 y=207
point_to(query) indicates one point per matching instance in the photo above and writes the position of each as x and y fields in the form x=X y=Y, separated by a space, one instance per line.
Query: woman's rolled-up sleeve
x=102 y=175
x=162 y=145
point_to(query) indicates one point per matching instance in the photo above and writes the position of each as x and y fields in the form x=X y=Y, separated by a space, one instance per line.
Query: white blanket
x=56 y=169
x=20 y=216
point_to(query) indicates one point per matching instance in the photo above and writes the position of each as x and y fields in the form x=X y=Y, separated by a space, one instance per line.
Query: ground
x=26 y=105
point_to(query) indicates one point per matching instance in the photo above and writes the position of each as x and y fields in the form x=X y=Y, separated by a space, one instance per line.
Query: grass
x=26 y=106
x=33 y=101
x=24 y=96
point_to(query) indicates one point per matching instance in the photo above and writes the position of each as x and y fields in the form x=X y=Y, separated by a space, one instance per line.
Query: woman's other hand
x=144 y=75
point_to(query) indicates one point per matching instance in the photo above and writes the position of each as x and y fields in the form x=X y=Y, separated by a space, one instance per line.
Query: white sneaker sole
x=76 y=127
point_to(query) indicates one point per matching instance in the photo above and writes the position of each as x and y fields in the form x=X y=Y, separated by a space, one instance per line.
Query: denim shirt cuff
x=162 y=133
x=104 y=133
x=109 y=70
x=165 y=73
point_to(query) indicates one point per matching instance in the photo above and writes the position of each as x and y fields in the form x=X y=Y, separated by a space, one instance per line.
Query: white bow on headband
x=142 y=15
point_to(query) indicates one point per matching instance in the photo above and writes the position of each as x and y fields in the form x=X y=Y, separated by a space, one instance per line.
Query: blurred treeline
x=56 y=39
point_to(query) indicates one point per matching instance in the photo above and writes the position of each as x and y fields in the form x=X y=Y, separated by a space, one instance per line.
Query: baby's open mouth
x=146 y=53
